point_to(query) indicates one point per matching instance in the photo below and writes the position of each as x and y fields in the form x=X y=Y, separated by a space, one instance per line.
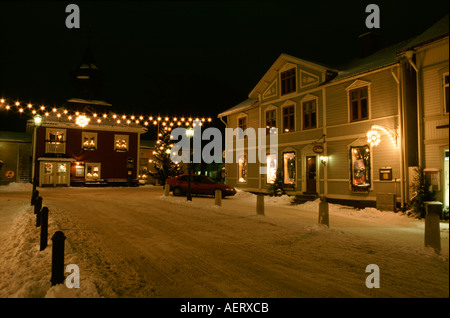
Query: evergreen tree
x=164 y=167
x=422 y=193
x=276 y=188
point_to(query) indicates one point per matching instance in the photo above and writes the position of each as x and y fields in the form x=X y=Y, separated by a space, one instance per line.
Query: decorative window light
x=374 y=137
x=121 y=143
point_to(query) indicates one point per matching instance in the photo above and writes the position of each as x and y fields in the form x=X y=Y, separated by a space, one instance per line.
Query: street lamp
x=190 y=134
x=37 y=123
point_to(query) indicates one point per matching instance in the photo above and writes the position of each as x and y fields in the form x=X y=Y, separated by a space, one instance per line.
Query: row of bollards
x=432 y=218
x=58 y=239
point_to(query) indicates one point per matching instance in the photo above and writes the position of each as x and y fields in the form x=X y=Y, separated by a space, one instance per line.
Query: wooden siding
x=433 y=94
x=382 y=99
x=434 y=54
x=338 y=161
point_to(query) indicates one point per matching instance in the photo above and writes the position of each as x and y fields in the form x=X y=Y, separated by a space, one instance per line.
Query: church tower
x=87 y=82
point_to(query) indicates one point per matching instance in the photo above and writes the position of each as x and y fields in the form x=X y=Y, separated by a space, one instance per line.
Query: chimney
x=369 y=43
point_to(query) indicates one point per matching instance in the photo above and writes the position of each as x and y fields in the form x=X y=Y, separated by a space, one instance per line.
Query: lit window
x=288 y=81
x=242 y=169
x=55 y=140
x=360 y=168
x=79 y=170
x=272 y=165
x=359 y=104
x=93 y=171
x=89 y=141
x=289 y=167
x=289 y=119
x=121 y=143
x=271 y=120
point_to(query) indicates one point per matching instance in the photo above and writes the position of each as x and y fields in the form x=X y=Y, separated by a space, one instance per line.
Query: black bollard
x=37 y=210
x=58 y=240
x=44 y=227
x=34 y=197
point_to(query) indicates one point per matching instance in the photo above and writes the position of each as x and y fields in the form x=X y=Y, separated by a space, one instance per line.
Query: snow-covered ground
x=135 y=242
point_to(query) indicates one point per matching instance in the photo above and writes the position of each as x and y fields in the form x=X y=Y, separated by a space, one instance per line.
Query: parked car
x=199 y=185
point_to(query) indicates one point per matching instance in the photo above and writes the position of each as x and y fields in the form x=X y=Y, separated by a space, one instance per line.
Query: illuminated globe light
x=82 y=121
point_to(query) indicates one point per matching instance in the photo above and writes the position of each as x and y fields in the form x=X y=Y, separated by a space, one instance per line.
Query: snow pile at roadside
x=25 y=271
x=16 y=187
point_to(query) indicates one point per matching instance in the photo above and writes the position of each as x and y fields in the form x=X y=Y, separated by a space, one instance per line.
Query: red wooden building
x=68 y=151
x=67 y=154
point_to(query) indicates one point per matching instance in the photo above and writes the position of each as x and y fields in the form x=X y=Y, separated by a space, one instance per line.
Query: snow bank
x=16 y=187
x=25 y=270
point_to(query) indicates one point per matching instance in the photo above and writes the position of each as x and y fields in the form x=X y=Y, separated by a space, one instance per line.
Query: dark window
x=309 y=114
x=271 y=120
x=288 y=81
x=242 y=123
x=288 y=119
x=359 y=107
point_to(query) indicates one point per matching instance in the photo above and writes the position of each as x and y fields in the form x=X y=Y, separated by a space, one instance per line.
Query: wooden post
x=58 y=258
x=218 y=197
x=44 y=228
x=260 y=204
x=166 y=190
x=433 y=212
x=323 y=211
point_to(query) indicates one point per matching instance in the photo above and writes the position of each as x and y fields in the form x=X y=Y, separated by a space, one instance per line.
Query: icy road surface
x=134 y=242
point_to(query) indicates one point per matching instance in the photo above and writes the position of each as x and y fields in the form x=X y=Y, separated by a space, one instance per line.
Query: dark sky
x=183 y=57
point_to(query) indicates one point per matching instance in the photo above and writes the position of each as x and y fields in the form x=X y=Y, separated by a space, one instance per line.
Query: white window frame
x=55 y=147
x=285 y=167
x=309 y=98
x=287 y=67
x=127 y=140
x=240 y=116
x=89 y=134
x=270 y=109
x=356 y=85
x=269 y=158
x=282 y=118
x=93 y=164
x=245 y=164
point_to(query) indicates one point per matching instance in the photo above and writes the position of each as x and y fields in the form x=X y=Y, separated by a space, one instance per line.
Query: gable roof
x=380 y=59
x=437 y=31
x=248 y=103
x=276 y=66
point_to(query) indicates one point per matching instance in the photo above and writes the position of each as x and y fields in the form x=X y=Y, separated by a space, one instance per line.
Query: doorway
x=311 y=174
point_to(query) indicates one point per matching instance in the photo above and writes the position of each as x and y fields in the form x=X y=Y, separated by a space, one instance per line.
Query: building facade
x=67 y=154
x=351 y=134
x=15 y=157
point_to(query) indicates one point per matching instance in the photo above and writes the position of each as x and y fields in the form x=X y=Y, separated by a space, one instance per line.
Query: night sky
x=181 y=58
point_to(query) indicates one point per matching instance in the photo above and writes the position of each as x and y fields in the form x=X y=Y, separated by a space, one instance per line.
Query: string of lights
x=84 y=118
